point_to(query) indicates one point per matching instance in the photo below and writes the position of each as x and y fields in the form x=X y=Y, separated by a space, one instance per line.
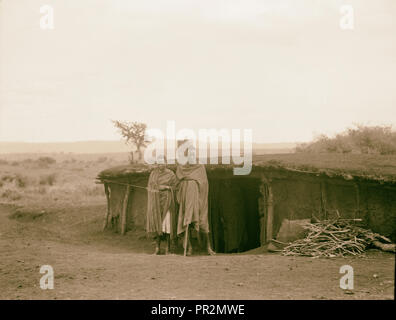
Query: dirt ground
x=91 y=264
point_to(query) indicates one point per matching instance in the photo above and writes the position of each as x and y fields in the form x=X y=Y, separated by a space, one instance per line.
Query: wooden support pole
x=270 y=213
x=107 y=192
x=124 y=210
x=323 y=200
x=262 y=206
x=357 y=211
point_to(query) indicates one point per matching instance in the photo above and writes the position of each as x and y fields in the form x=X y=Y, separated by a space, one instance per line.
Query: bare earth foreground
x=90 y=264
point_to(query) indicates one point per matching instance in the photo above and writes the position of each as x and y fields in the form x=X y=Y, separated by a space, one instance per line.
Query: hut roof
x=349 y=166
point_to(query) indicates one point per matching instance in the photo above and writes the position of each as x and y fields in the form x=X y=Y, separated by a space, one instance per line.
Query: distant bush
x=26 y=214
x=67 y=161
x=48 y=179
x=102 y=159
x=15 y=163
x=21 y=181
x=77 y=169
x=362 y=139
x=41 y=190
x=92 y=191
x=46 y=160
x=7 y=178
x=3 y=162
x=11 y=195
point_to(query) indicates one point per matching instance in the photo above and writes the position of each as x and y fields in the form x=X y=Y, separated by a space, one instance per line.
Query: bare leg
x=187 y=242
x=209 y=248
x=158 y=245
x=189 y=245
x=199 y=239
x=167 y=249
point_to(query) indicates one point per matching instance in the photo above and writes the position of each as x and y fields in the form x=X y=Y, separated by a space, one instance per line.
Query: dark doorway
x=234 y=214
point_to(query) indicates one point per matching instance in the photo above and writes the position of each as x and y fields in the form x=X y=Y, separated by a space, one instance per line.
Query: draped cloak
x=160 y=201
x=192 y=196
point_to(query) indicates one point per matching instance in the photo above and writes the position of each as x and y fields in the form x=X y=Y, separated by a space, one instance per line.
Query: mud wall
x=247 y=211
x=136 y=205
x=299 y=196
x=233 y=210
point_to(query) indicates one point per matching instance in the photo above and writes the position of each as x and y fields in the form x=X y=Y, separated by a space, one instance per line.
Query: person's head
x=161 y=162
x=187 y=152
x=191 y=156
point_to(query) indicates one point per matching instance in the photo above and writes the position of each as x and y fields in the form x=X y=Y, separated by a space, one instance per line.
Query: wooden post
x=357 y=211
x=124 y=210
x=270 y=213
x=323 y=200
x=107 y=192
x=262 y=206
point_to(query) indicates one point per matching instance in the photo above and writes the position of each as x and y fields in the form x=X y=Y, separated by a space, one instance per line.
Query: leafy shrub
x=362 y=139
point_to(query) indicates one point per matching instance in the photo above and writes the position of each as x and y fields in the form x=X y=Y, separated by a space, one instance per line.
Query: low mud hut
x=247 y=211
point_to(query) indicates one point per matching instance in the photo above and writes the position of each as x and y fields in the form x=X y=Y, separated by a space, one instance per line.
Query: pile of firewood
x=334 y=238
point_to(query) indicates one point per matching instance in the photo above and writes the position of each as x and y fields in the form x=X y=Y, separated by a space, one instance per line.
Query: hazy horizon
x=113 y=146
x=123 y=141
x=284 y=69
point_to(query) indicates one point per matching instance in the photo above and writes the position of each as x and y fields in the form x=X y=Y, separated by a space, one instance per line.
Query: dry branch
x=339 y=237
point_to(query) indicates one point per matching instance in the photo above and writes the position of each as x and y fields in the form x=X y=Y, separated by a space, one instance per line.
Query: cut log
x=390 y=247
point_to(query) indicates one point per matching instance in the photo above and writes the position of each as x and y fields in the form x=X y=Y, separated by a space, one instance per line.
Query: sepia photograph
x=196 y=155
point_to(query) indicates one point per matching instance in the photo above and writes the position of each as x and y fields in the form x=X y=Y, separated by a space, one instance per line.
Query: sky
x=283 y=68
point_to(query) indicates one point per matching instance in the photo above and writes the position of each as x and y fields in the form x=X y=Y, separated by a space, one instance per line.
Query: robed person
x=161 y=209
x=192 y=196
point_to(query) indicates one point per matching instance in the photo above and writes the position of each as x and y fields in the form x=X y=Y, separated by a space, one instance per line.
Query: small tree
x=133 y=133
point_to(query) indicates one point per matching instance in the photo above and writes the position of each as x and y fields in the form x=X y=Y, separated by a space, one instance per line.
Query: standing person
x=192 y=196
x=161 y=219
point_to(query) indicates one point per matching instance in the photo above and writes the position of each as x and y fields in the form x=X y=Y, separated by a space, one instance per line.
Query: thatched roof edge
x=129 y=171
